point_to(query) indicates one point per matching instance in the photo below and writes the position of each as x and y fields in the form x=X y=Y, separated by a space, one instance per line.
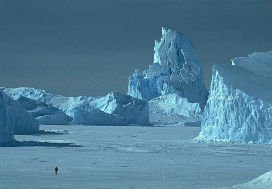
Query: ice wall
x=129 y=109
x=172 y=109
x=14 y=119
x=239 y=105
x=44 y=113
x=176 y=69
x=7 y=119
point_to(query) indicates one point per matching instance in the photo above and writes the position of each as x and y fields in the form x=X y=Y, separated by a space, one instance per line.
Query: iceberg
x=176 y=69
x=239 y=107
x=173 y=84
x=25 y=123
x=172 y=109
x=113 y=109
x=87 y=115
x=127 y=108
x=7 y=119
x=44 y=113
x=14 y=119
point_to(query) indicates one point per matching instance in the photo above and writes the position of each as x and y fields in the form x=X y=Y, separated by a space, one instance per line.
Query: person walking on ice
x=56 y=170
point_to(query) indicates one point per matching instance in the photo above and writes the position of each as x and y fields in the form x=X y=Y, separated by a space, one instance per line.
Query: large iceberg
x=239 y=107
x=173 y=84
x=44 y=113
x=7 y=119
x=14 y=119
x=176 y=69
x=113 y=109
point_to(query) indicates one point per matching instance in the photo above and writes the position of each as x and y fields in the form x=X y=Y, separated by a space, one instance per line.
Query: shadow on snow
x=37 y=143
x=45 y=132
x=16 y=143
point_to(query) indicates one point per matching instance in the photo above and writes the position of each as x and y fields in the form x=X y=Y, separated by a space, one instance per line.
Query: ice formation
x=173 y=109
x=25 y=123
x=113 y=109
x=44 y=113
x=14 y=119
x=173 y=84
x=176 y=69
x=7 y=119
x=239 y=107
x=88 y=115
x=127 y=108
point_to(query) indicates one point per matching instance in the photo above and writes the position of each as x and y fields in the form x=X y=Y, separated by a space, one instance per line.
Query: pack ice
x=176 y=70
x=14 y=119
x=112 y=109
x=239 y=105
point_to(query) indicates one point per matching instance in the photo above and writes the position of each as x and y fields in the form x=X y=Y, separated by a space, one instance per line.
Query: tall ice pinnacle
x=176 y=69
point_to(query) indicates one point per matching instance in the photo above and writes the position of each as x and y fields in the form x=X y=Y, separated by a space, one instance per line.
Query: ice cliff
x=7 y=119
x=129 y=109
x=176 y=69
x=172 y=109
x=14 y=119
x=45 y=114
x=239 y=107
x=113 y=109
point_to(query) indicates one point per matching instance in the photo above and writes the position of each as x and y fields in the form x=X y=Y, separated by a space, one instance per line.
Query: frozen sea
x=129 y=157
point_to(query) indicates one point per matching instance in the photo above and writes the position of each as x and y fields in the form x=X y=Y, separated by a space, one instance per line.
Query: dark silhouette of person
x=56 y=170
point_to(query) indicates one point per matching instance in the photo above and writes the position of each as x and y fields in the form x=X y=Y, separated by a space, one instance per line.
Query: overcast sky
x=90 y=47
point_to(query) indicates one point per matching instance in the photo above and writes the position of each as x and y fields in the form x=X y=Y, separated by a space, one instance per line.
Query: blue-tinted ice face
x=176 y=69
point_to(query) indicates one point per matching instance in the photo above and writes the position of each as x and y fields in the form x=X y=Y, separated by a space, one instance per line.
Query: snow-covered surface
x=44 y=113
x=173 y=109
x=239 y=108
x=262 y=182
x=176 y=69
x=113 y=109
x=130 y=157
